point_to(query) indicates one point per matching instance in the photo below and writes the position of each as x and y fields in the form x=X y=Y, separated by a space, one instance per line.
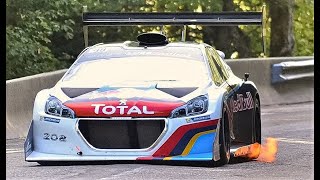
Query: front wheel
x=224 y=141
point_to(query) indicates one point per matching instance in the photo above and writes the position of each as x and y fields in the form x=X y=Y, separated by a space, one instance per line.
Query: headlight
x=56 y=108
x=195 y=106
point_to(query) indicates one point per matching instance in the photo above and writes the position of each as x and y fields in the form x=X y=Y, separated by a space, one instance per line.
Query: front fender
x=40 y=103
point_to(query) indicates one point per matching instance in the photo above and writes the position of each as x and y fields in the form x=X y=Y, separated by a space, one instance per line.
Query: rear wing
x=176 y=19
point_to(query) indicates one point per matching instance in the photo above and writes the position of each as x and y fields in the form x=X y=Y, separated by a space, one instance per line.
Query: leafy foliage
x=47 y=35
x=304 y=27
x=29 y=29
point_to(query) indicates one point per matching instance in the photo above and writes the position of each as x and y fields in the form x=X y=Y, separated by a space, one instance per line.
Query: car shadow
x=155 y=162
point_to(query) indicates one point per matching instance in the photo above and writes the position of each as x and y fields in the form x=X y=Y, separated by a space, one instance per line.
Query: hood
x=129 y=100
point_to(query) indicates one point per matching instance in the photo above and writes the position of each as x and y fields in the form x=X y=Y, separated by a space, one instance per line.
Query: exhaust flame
x=267 y=151
x=264 y=153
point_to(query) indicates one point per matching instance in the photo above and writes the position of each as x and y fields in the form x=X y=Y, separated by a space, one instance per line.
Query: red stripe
x=173 y=140
x=145 y=158
x=161 y=109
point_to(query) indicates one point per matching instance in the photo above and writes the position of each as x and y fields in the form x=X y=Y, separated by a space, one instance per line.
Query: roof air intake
x=152 y=39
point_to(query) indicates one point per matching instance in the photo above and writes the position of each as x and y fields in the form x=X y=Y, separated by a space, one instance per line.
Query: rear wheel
x=257 y=122
x=256 y=135
x=257 y=131
x=224 y=141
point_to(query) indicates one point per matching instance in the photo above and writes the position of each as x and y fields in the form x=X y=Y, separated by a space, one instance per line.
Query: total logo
x=122 y=107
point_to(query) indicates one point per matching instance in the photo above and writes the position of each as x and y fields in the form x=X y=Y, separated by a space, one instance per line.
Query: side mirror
x=221 y=54
x=246 y=76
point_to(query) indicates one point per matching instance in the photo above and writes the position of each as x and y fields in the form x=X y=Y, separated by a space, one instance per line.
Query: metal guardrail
x=292 y=70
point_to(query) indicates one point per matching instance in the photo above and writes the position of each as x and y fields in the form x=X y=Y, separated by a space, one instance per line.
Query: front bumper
x=192 y=138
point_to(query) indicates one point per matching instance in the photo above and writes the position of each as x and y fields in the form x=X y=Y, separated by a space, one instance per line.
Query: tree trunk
x=282 y=39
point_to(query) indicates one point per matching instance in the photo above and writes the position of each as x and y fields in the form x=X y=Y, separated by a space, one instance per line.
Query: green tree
x=29 y=29
x=282 y=37
x=46 y=35
x=304 y=27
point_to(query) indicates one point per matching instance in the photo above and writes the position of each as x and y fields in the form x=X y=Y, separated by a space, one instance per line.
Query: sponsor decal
x=129 y=108
x=123 y=109
x=54 y=137
x=123 y=102
x=201 y=118
x=54 y=120
x=243 y=103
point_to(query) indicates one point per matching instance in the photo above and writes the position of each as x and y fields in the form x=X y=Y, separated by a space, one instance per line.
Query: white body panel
x=56 y=150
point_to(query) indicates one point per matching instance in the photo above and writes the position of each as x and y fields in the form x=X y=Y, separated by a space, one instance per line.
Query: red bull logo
x=243 y=103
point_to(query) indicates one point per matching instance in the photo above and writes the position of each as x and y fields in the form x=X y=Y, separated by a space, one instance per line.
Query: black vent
x=75 y=92
x=121 y=134
x=178 y=92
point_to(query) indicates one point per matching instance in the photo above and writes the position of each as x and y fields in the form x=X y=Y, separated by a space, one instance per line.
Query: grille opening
x=121 y=134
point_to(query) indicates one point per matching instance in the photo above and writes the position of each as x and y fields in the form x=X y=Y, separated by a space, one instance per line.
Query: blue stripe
x=203 y=144
x=178 y=149
x=195 y=157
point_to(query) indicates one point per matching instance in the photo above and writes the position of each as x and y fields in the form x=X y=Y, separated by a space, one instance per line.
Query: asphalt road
x=292 y=125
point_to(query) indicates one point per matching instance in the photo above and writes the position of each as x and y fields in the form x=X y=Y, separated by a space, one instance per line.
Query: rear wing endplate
x=176 y=19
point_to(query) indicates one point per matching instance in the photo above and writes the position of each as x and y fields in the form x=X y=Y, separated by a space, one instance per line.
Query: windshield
x=142 y=68
x=107 y=52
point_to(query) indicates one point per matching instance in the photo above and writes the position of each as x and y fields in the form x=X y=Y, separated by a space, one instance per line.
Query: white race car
x=146 y=100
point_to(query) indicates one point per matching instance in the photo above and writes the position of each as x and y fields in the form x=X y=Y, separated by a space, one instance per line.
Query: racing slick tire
x=257 y=126
x=257 y=122
x=224 y=140
x=256 y=133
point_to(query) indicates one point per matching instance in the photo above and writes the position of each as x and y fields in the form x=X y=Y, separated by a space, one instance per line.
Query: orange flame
x=254 y=151
x=269 y=150
x=265 y=152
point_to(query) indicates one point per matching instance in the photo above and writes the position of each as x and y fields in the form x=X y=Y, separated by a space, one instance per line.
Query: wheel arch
x=225 y=110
